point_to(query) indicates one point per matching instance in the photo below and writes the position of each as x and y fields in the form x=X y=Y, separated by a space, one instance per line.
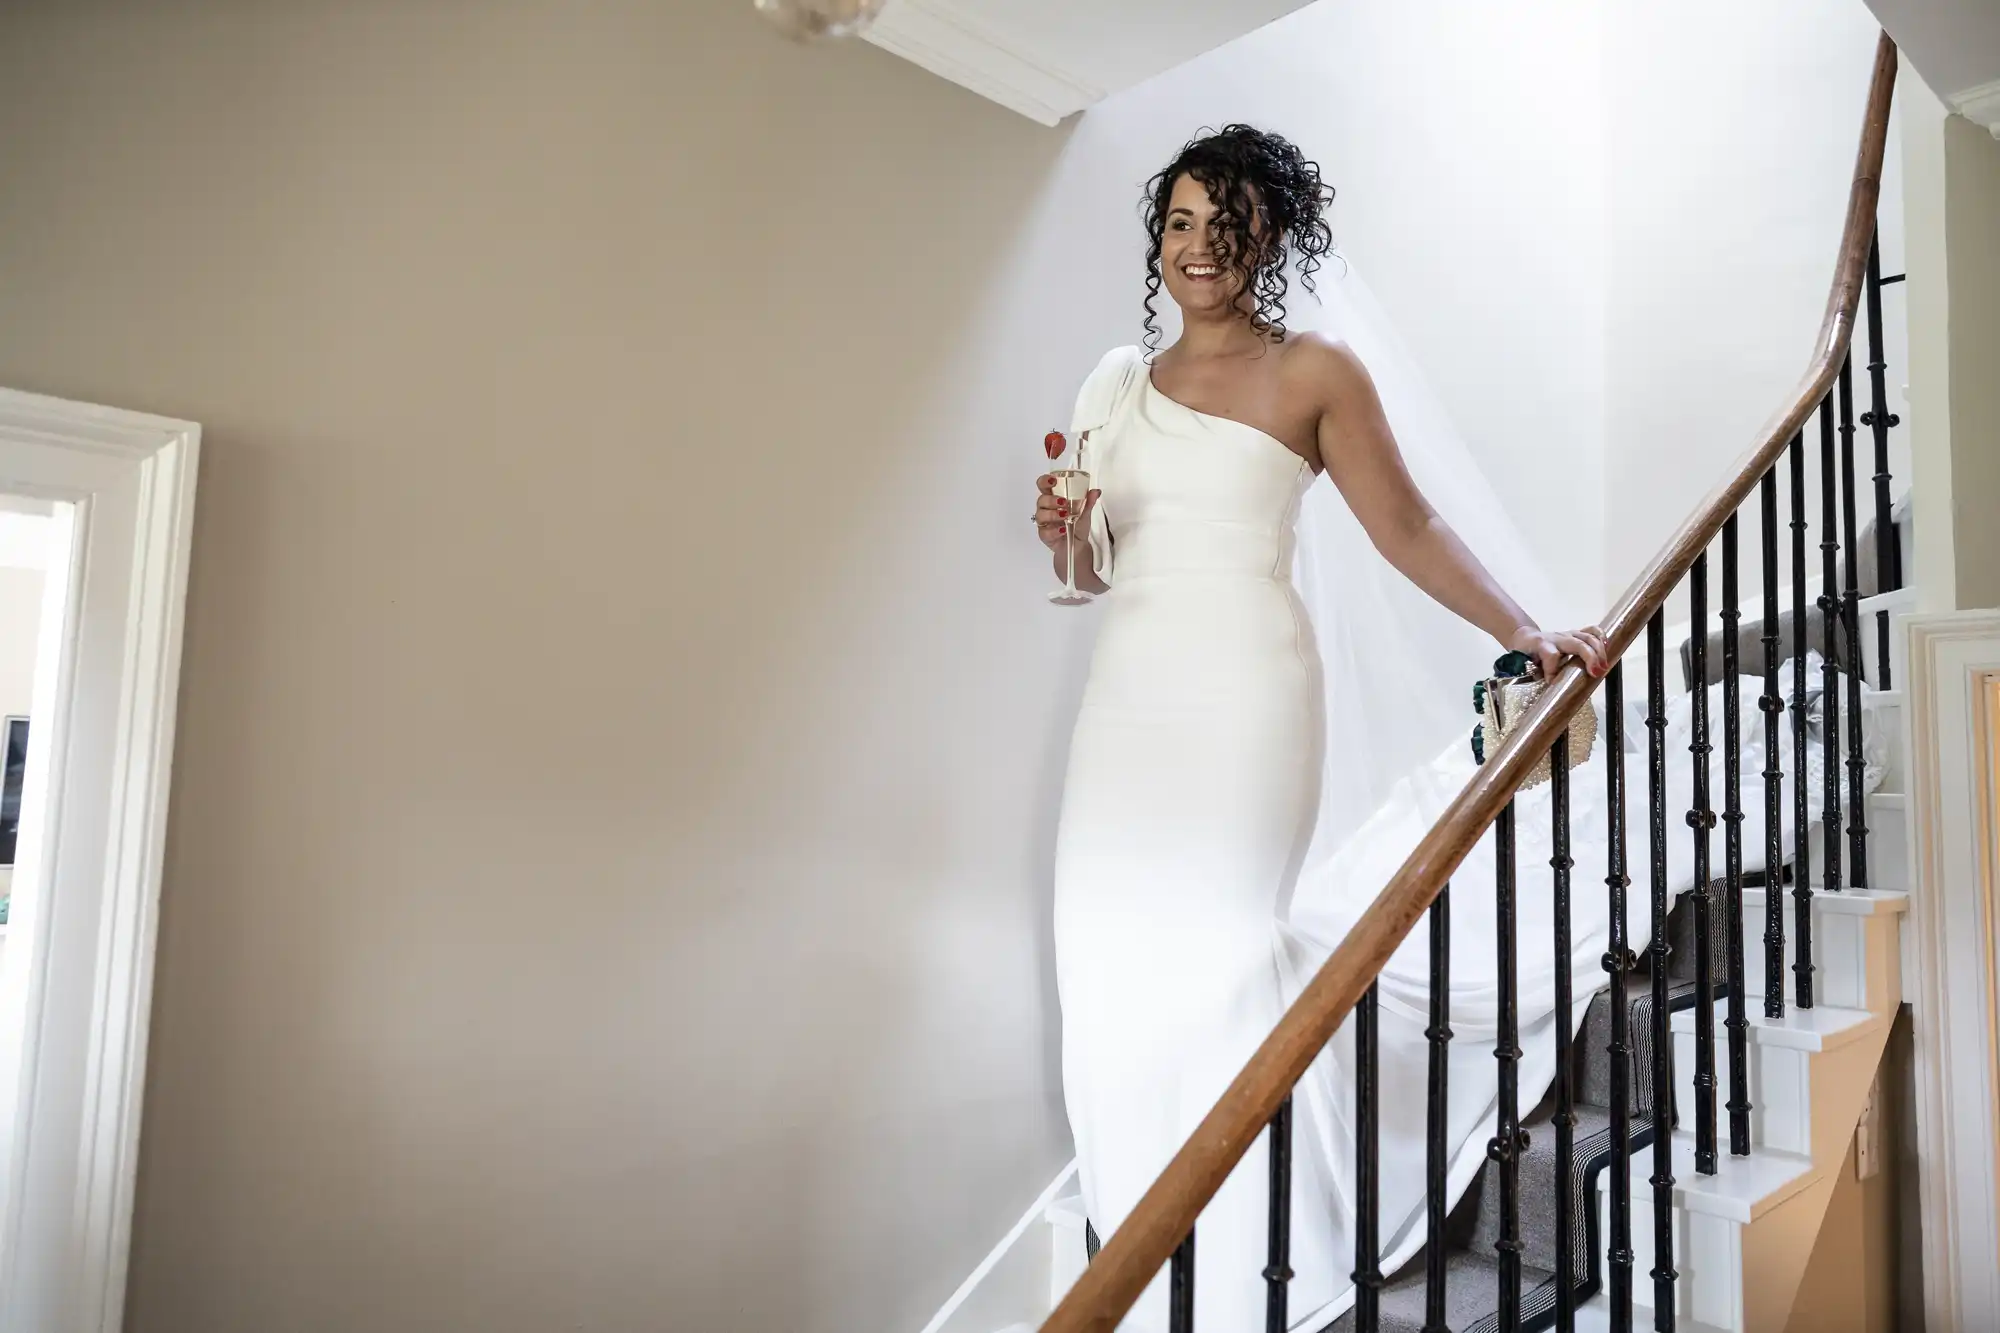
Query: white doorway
x=30 y=533
x=102 y=501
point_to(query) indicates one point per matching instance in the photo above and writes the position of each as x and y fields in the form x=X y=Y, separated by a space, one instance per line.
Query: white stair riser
x=1709 y=1249
x=1782 y=1105
x=1857 y=960
x=1069 y=1252
x=1898 y=604
x=1710 y=1263
x=1895 y=774
x=1711 y=1258
x=1780 y=1092
x=1888 y=842
x=1887 y=846
x=1706 y=1254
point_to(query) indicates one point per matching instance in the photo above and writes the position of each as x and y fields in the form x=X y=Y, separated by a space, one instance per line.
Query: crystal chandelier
x=818 y=20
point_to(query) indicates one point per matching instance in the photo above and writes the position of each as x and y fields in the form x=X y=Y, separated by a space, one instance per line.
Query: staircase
x=1742 y=1236
x=1735 y=1093
x=1809 y=1073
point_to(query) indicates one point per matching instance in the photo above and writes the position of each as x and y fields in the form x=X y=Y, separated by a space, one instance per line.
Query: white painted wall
x=1933 y=564
x=1606 y=234
x=1731 y=132
x=1953 y=193
x=1463 y=143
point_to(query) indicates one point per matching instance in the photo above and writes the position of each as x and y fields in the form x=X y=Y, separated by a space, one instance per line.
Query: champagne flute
x=1073 y=486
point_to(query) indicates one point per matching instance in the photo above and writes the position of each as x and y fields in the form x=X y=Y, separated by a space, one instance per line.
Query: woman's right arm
x=1053 y=519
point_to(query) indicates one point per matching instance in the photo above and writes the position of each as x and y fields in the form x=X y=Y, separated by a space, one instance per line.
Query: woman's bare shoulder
x=1323 y=367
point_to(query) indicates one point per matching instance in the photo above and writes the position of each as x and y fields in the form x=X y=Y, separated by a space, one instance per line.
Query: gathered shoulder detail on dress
x=1103 y=396
x=1108 y=388
x=1099 y=403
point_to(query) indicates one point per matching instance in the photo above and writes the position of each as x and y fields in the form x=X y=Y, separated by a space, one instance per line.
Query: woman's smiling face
x=1201 y=274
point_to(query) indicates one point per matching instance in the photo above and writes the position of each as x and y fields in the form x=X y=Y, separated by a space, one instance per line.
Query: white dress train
x=1191 y=902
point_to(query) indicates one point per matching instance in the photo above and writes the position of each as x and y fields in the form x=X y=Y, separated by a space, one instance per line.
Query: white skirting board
x=1011 y=1284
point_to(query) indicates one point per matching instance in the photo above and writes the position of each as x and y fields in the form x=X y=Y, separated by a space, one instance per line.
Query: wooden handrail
x=1142 y=1243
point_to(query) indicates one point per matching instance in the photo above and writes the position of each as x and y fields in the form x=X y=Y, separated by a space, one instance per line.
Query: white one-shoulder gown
x=1192 y=791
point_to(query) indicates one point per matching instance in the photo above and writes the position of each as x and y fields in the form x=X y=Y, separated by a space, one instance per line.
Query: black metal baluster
x=1830 y=620
x=1802 y=967
x=1367 y=1168
x=1850 y=628
x=1738 y=1021
x=1701 y=819
x=1772 y=704
x=1618 y=965
x=1888 y=550
x=1565 y=1117
x=1505 y=1149
x=1437 y=1122
x=1662 y=1180
x=1278 y=1271
x=1180 y=1288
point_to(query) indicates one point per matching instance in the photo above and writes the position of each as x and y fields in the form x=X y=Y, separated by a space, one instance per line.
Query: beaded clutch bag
x=1503 y=699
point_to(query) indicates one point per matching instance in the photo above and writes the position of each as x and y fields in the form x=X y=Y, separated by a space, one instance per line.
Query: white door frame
x=77 y=978
x=1953 y=680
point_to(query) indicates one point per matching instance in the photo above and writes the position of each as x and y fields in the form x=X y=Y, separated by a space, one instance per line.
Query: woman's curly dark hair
x=1258 y=181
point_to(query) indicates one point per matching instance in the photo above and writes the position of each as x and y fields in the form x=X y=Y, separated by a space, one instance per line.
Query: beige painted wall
x=1953 y=204
x=1854 y=1281
x=1850 y=1281
x=1972 y=225
x=607 y=880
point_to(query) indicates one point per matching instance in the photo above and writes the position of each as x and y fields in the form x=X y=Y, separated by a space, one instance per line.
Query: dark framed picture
x=16 y=748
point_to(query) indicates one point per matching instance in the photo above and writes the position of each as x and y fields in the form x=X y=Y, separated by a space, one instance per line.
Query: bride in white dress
x=1244 y=776
x=1194 y=782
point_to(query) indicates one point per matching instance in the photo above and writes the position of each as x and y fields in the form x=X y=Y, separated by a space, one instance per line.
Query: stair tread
x=1594 y=1316
x=1850 y=902
x=1897 y=599
x=1537 y=1180
x=1823 y=1027
x=1593 y=1037
x=1472 y=1286
x=1742 y=1189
